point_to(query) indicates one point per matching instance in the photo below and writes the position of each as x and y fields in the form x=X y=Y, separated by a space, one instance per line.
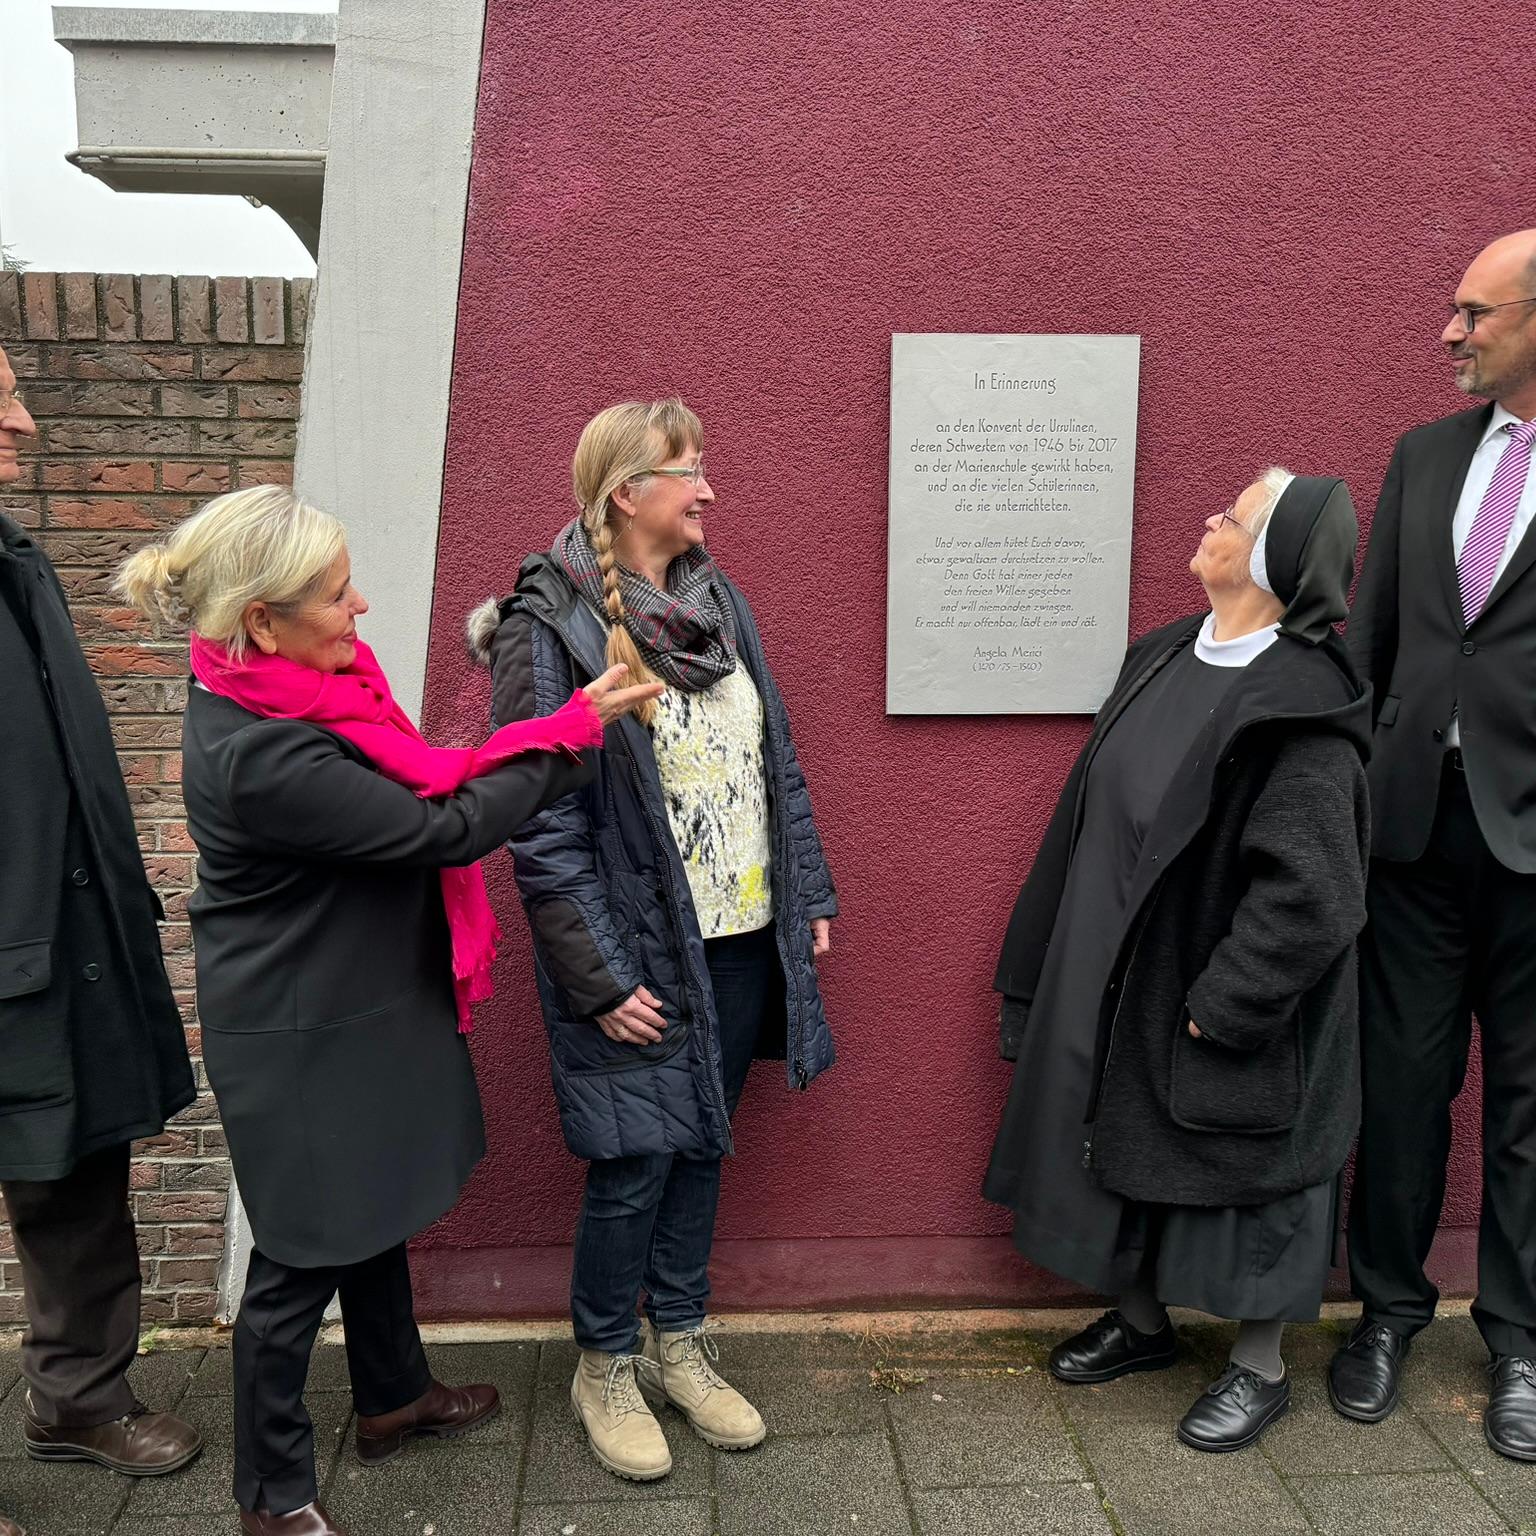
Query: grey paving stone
x=561 y=1465
x=176 y=1525
x=812 y=1401
x=1447 y=1368
x=452 y=1489
x=1431 y=1504
x=557 y=1362
x=861 y=1351
x=1313 y=1438
x=68 y=1498
x=11 y=1407
x=162 y=1378
x=205 y=1485
x=1054 y=1510
x=1146 y=1398
x=10 y=1366
x=1511 y=1485
x=963 y=1431
x=675 y=1517
x=1160 y=1487
x=214 y=1375
x=796 y=1487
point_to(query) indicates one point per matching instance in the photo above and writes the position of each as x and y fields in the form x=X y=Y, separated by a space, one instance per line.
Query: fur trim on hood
x=480 y=628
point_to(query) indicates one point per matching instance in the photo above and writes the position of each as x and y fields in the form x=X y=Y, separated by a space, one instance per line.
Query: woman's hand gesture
x=612 y=701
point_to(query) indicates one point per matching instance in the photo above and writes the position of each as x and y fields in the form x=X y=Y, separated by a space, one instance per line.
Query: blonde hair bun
x=257 y=545
x=149 y=582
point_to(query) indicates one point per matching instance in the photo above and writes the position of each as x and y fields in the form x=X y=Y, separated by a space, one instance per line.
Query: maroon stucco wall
x=741 y=204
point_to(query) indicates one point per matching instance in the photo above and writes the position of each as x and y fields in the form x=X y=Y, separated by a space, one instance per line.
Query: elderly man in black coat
x=92 y=1053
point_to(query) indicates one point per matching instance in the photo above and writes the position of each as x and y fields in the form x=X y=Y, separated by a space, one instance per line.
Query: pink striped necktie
x=1490 y=528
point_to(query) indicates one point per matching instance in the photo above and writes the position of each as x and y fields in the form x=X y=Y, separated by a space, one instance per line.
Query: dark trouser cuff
x=390 y=1393
x=1505 y=1338
x=279 y=1493
x=103 y=1406
x=675 y=1322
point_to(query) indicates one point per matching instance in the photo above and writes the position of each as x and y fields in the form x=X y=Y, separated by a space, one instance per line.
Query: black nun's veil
x=1309 y=555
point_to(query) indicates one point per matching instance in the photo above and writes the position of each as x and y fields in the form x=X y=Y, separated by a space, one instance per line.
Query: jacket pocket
x=580 y=1047
x=1387 y=714
x=1245 y=1093
x=35 y=1063
x=26 y=967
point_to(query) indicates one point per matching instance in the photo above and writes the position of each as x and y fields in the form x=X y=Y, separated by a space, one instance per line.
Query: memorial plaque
x=1012 y=462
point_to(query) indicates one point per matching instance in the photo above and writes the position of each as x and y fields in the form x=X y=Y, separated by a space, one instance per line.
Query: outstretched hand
x=611 y=701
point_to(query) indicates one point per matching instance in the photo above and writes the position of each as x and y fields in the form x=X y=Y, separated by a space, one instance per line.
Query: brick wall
x=151 y=394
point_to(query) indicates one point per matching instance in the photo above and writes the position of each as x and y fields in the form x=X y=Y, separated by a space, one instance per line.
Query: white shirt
x=1232 y=653
x=1479 y=473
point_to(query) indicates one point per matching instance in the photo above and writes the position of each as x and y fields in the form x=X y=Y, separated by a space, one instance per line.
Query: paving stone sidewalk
x=979 y=1441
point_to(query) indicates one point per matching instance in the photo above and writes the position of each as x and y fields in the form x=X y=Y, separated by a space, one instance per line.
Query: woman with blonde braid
x=678 y=904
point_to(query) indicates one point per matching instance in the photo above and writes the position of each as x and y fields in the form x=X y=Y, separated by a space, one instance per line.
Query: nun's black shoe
x=1364 y=1373
x=1234 y=1410
x=1509 y=1424
x=1110 y=1347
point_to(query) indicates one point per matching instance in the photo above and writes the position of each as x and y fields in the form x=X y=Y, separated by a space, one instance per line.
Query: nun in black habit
x=1178 y=977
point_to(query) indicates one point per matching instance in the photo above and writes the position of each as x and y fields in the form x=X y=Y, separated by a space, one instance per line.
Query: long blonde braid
x=623 y=443
x=621 y=644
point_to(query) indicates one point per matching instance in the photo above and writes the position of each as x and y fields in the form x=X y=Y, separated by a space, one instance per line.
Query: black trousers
x=80 y=1264
x=280 y=1315
x=1450 y=935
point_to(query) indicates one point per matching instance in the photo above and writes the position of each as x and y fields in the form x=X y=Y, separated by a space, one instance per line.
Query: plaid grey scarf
x=687 y=634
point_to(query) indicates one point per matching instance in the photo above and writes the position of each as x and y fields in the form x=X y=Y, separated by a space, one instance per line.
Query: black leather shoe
x=1110 y=1347
x=1363 y=1374
x=1234 y=1410
x=1509 y=1425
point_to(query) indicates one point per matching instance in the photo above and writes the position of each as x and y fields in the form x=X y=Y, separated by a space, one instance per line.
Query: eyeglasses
x=1470 y=314
x=693 y=472
x=8 y=398
x=1227 y=517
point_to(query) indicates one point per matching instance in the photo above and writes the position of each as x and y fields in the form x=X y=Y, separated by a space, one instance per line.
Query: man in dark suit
x=1444 y=628
x=92 y=1051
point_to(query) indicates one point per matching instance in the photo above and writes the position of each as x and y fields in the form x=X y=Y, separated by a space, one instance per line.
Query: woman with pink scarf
x=343 y=934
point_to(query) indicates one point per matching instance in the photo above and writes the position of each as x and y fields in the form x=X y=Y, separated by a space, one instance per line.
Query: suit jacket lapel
x=1443 y=480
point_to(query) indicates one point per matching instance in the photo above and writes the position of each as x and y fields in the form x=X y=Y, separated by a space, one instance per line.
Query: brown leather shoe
x=312 y=1520
x=10 y=1528
x=141 y=1443
x=440 y=1410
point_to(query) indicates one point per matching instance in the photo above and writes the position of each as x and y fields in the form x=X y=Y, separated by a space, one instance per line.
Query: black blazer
x=1407 y=640
x=323 y=975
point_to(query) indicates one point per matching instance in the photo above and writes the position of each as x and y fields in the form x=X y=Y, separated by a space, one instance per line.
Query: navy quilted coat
x=608 y=900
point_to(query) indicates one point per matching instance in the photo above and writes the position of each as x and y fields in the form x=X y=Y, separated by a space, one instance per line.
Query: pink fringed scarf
x=357 y=703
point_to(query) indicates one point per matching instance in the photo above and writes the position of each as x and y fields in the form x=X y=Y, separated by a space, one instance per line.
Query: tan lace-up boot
x=683 y=1373
x=621 y=1429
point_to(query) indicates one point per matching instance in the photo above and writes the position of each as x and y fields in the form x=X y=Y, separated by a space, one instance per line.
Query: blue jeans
x=649 y=1221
